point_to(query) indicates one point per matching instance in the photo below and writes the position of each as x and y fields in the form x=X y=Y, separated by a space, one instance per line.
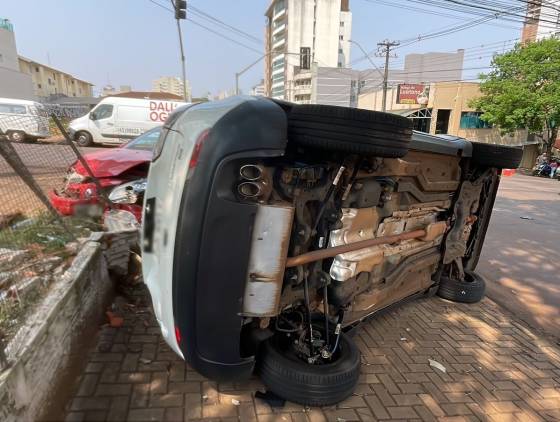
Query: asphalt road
x=521 y=254
x=47 y=162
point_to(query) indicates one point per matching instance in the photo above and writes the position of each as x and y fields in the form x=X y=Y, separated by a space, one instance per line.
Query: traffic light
x=180 y=9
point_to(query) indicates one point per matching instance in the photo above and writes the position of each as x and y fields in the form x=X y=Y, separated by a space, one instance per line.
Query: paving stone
x=496 y=370
x=143 y=415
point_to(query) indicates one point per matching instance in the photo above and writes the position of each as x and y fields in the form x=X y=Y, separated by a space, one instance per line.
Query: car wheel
x=293 y=379
x=499 y=156
x=83 y=139
x=16 y=136
x=470 y=290
x=349 y=130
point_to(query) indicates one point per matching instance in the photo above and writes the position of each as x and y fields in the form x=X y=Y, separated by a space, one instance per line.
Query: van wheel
x=83 y=139
x=16 y=136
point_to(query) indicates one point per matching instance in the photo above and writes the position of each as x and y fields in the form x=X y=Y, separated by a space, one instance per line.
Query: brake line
x=307 y=308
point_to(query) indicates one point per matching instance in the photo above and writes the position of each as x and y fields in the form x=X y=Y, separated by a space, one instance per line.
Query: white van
x=23 y=119
x=117 y=119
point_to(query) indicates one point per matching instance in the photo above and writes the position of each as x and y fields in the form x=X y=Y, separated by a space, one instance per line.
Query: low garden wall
x=50 y=340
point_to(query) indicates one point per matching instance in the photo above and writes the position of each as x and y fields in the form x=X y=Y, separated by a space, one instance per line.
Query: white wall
x=15 y=84
x=549 y=13
x=8 y=51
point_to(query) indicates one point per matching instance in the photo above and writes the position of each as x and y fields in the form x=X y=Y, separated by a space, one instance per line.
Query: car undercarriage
x=352 y=214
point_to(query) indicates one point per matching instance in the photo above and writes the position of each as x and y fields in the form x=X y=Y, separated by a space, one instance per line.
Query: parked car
x=22 y=120
x=121 y=173
x=115 y=120
x=271 y=229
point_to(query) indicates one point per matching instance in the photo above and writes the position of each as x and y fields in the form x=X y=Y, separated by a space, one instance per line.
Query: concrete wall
x=8 y=50
x=48 y=343
x=14 y=84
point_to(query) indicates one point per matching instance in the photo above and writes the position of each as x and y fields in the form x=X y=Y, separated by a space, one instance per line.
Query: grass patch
x=46 y=234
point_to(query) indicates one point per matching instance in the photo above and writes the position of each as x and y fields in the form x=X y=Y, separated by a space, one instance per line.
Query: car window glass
x=12 y=108
x=102 y=112
x=145 y=141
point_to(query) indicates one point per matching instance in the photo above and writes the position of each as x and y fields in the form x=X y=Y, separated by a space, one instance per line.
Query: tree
x=523 y=90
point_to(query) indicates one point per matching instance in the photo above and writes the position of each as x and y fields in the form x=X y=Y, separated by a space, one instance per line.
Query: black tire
x=307 y=384
x=83 y=139
x=471 y=290
x=349 y=130
x=499 y=156
x=16 y=136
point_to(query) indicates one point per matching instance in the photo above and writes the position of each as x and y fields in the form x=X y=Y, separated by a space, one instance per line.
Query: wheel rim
x=82 y=139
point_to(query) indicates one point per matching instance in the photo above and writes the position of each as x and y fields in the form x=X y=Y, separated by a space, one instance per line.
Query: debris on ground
x=115 y=320
x=437 y=365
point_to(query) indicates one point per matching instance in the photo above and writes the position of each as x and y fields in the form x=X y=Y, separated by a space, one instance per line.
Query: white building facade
x=302 y=32
x=13 y=82
x=171 y=85
x=543 y=20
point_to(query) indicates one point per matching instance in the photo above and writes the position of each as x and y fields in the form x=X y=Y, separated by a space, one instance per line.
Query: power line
x=216 y=21
x=208 y=29
x=223 y=36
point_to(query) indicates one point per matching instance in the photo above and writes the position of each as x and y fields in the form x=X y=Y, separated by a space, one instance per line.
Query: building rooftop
x=6 y=24
x=25 y=59
x=148 y=95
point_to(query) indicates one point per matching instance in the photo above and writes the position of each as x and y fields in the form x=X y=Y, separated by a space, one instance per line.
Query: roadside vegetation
x=522 y=91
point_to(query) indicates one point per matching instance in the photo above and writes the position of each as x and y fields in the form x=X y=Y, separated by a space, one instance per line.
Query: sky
x=132 y=42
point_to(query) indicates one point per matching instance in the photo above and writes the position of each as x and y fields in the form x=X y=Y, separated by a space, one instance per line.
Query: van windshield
x=12 y=109
x=146 y=141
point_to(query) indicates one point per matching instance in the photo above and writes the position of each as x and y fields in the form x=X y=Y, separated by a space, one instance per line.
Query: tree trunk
x=551 y=141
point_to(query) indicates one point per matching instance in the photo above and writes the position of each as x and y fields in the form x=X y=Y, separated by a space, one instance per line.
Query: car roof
x=17 y=101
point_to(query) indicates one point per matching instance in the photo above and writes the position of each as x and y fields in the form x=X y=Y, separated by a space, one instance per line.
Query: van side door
x=103 y=123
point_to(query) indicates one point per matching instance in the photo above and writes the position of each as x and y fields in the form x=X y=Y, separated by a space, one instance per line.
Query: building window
x=472 y=120
x=341 y=37
x=49 y=81
x=36 y=69
x=341 y=23
x=39 y=86
x=339 y=64
x=340 y=51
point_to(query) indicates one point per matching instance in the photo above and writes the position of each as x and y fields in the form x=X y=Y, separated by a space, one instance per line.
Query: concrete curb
x=44 y=348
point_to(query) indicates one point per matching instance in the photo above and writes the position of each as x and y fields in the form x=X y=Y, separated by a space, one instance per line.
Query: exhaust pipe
x=251 y=172
x=250 y=189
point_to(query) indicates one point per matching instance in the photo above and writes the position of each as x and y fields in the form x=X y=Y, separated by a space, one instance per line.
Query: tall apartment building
x=171 y=85
x=543 y=20
x=300 y=33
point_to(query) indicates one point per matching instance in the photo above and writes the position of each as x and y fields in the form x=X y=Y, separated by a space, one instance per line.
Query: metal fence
x=37 y=238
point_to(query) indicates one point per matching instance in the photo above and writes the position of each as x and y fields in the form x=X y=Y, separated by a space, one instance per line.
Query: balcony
x=279 y=14
x=279 y=29
x=278 y=44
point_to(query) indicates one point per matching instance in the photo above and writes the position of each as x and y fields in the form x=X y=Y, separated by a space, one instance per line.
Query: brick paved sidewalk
x=497 y=369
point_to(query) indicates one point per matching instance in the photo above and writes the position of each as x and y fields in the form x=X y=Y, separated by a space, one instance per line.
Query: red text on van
x=159 y=110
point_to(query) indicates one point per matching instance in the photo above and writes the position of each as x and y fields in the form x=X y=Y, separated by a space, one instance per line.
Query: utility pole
x=385 y=47
x=180 y=7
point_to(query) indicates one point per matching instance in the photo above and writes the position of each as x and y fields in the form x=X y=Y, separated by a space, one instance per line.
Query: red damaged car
x=121 y=173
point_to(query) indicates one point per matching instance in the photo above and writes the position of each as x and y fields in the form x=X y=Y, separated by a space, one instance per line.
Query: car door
x=103 y=122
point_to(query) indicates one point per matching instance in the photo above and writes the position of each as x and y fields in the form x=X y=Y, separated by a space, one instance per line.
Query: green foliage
x=523 y=90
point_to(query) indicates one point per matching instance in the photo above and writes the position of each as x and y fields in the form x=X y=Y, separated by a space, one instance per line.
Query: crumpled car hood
x=113 y=162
